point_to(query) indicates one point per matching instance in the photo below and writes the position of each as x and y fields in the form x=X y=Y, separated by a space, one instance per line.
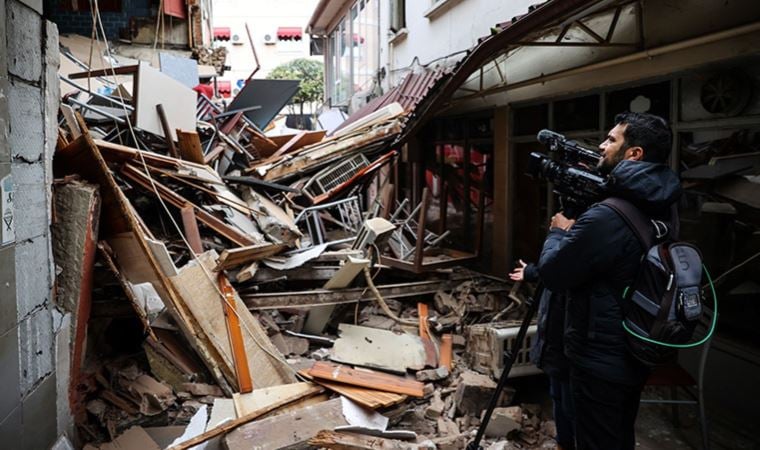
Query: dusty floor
x=654 y=426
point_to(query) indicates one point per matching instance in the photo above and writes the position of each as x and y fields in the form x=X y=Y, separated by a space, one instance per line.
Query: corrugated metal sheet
x=419 y=93
x=413 y=88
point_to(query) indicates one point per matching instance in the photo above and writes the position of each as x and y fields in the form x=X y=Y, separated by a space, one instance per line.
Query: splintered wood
x=370 y=398
x=374 y=380
x=202 y=298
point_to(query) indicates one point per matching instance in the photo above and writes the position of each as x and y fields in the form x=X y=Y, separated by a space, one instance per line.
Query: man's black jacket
x=548 y=352
x=593 y=263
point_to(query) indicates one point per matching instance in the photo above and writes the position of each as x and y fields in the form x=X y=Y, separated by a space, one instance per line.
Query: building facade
x=277 y=32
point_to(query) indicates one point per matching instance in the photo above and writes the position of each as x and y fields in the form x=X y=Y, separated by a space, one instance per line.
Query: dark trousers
x=562 y=398
x=605 y=412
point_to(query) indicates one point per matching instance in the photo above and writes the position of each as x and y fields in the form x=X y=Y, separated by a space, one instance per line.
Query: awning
x=289 y=33
x=175 y=8
x=222 y=33
x=224 y=88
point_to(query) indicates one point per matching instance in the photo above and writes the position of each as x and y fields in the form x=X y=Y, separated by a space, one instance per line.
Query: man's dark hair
x=649 y=132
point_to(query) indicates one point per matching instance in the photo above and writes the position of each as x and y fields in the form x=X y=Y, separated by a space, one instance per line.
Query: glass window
x=577 y=114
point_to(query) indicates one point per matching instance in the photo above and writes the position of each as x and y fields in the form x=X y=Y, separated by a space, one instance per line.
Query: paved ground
x=654 y=426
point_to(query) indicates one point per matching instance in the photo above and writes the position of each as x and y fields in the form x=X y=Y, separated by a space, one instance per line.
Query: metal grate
x=335 y=175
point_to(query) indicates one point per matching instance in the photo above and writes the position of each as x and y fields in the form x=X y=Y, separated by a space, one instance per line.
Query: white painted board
x=153 y=88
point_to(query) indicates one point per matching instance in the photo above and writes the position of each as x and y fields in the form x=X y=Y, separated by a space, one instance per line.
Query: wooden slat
x=231 y=425
x=380 y=381
x=239 y=356
x=260 y=398
x=123 y=70
x=243 y=255
x=422 y=312
x=446 y=351
x=190 y=226
x=139 y=177
x=167 y=130
x=370 y=398
x=190 y=147
x=201 y=295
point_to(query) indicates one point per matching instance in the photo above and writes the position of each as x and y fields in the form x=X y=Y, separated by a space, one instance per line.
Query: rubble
x=253 y=288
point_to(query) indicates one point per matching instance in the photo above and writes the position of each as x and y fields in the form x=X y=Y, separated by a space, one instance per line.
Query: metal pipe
x=645 y=54
x=95 y=94
x=97 y=111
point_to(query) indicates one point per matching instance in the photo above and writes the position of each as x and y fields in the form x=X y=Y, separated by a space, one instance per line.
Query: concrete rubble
x=248 y=289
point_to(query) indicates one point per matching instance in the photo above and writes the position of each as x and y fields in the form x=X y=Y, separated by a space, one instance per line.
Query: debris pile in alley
x=238 y=289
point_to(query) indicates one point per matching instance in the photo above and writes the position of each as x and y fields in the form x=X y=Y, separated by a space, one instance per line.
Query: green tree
x=310 y=73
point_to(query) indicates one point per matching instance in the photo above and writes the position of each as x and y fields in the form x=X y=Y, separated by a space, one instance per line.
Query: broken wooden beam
x=374 y=380
x=138 y=176
x=303 y=299
x=231 y=425
x=243 y=255
x=190 y=148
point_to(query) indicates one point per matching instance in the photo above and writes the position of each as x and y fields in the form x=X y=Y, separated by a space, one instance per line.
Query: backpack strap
x=646 y=230
x=640 y=224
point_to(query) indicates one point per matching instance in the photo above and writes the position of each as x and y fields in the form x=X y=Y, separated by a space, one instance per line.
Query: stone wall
x=31 y=401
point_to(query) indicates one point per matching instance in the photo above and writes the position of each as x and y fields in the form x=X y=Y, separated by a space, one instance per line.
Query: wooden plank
x=190 y=147
x=315 y=297
x=202 y=297
x=71 y=121
x=370 y=398
x=121 y=153
x=231 y=425
x=289 y=430
x=242 y=255
x=261 y=398
x=190 y=226
x=167 y=130
x=123 y=70
x=239 y=356
x=375 y=380
x=422 y=313
x=105 y=254
x=341 y=440
x=138 y=176
x=446 y=351
x=214 y=153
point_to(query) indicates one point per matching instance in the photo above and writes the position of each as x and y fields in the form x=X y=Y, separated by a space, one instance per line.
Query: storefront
x=693 y=62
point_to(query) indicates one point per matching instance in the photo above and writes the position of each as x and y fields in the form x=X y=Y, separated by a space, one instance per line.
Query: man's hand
x=561 y=222
x=519 y=273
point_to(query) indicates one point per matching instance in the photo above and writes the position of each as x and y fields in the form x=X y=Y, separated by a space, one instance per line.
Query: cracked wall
x=33 y=410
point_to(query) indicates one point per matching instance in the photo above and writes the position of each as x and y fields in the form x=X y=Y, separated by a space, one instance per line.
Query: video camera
x=573 y=172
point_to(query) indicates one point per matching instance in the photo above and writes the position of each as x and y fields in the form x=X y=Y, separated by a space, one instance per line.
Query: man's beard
x=606 y=166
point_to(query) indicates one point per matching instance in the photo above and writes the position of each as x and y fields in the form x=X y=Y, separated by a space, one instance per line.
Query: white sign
x=7 y=225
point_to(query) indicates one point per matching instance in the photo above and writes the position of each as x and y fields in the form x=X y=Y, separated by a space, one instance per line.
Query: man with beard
x=593 y=260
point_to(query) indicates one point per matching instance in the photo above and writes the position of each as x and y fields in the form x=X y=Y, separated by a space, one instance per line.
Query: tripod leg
x=532 y=304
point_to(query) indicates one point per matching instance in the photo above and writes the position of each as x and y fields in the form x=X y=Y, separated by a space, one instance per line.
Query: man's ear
x=634 y=154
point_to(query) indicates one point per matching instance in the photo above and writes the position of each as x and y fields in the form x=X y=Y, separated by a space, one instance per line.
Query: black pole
x=510 y=357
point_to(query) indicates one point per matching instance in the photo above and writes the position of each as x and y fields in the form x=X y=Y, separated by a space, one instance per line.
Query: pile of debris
x=230 y=288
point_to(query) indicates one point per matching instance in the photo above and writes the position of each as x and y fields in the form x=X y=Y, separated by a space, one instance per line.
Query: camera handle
x=510 y=356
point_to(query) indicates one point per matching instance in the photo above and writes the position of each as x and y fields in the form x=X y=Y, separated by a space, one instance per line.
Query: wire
x=96 y=19
x=693 y=344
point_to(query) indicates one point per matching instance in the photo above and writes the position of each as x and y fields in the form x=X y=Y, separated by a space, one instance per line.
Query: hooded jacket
x=595 y=260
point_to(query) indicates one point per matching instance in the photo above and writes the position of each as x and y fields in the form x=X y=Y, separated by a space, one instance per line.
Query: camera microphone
x=547 y=136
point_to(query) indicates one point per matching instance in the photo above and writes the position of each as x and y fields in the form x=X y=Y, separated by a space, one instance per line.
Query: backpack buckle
x=660 y=228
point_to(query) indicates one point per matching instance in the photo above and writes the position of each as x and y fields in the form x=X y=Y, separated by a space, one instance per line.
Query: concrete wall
x=451 y=29
x=29 y=395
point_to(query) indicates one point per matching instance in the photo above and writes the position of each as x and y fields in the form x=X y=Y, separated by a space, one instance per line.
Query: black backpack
x=665 y=303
